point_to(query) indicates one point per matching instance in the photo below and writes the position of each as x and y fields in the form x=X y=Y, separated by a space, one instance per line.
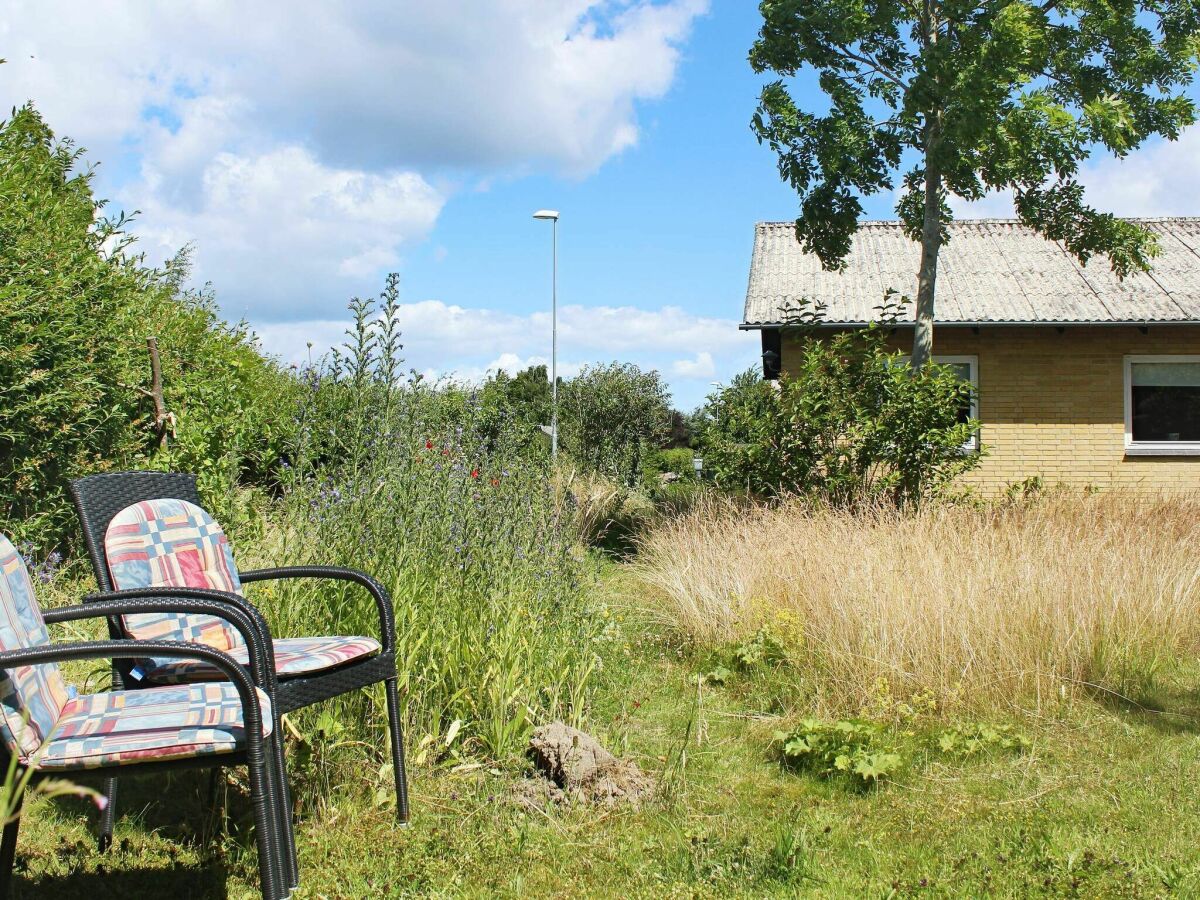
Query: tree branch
x=873 y=65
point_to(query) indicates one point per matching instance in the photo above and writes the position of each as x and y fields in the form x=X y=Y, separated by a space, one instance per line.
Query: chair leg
x=291 y=868
x=108 y=815
x=397 y=731
x=8 y=848
x=266 y=830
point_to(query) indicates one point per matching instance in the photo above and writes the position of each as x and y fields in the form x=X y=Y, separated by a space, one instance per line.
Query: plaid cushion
x=172 y=543
x=293 y=656
x=123 y=727
x=31 y=697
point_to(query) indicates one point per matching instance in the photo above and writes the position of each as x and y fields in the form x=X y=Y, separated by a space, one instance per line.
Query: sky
x=306 y=149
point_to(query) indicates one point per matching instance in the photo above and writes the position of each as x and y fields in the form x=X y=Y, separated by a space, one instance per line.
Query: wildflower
x=474 y=473
x=495 y=482
x=429 y=445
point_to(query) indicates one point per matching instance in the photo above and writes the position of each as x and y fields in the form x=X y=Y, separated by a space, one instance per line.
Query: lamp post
x=552 y=216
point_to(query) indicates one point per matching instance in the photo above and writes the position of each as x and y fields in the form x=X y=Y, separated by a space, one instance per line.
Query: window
x=967 y=368
x=1162 y=405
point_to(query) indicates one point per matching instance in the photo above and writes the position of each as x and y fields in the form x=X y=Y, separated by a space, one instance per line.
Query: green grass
x=1103 y=804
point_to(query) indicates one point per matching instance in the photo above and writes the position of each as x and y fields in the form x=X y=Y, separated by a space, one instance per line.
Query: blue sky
x=309 y=148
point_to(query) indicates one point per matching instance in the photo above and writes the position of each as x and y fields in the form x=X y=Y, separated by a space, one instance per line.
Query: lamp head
x=551 y=214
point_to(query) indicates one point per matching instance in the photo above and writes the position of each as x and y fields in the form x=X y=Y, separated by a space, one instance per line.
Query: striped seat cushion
x=293 y=657
x=123 y=727
x=31 y=697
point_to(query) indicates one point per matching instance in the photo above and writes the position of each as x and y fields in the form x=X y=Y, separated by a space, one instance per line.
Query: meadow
x=1040 y=742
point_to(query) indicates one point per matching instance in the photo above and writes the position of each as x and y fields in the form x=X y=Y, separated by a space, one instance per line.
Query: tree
x=978 y=95
x=610 y=415
x=77 y=306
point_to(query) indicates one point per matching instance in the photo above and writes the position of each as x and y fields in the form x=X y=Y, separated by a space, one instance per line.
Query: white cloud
x=1160 y=179
x=374 y=85
x=285 y=232
x=300 y=145
x=700 y=367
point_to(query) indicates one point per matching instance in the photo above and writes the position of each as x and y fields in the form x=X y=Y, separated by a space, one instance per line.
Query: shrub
x=76 y=307
x=611 y=416
x=849 y=424
x=431 y=490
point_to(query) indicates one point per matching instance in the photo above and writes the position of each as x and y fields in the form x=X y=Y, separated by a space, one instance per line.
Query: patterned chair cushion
x=172 y=543
x=123 y=727
x=31 y=697
x=293 y=656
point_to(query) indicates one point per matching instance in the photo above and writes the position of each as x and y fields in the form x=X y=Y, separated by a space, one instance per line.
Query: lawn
x=1101 y=804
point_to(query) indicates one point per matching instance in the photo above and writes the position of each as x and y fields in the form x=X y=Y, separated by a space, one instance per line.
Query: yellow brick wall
x=1052 y=405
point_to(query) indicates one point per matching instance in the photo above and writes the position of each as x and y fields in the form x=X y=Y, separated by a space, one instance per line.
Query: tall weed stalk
x=453 y=508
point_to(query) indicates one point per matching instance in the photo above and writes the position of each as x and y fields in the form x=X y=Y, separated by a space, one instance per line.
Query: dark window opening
x=1166 y=401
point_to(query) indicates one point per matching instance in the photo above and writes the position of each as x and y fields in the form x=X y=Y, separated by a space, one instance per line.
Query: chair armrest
x=383 y=600
x=243 y=618
x=52 y=653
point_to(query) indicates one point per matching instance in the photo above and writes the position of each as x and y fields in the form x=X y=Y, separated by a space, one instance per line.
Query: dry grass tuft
x=976 y=606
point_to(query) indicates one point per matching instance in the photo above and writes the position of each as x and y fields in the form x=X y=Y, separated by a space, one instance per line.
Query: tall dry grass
x=972 y=605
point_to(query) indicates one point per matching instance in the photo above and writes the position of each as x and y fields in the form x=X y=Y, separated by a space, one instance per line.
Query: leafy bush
x=76 y=307
x=847 y=747
x=611 y=416
x=850 y=423
x=431 y=489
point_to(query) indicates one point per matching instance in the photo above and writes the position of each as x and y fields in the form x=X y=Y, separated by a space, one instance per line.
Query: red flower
x=429 y=445
x=474 y=473
x=446 y=452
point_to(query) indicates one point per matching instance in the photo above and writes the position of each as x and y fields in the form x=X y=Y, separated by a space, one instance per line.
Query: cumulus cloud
x=300 y=146
x=371 y=84
x=286 y=232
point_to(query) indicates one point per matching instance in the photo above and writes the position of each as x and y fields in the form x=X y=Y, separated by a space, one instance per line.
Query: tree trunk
x=931 y=243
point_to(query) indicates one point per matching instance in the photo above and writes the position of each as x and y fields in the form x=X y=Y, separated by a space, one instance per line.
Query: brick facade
x=1052 y=404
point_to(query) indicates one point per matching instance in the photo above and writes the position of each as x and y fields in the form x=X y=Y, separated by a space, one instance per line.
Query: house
x=1082 y=379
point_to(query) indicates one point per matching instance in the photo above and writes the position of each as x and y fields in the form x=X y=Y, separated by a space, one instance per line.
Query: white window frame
x=1154 y=448
x=972 y=444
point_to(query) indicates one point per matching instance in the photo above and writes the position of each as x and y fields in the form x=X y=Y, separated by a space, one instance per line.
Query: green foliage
x=524 y=397
x=977 y=738
x=976 y=97
x=851 y=423
x=850 y=748
x=611 y=416
x=432 y=490
x=76 y=307
x=760 y=649
x=677 y=460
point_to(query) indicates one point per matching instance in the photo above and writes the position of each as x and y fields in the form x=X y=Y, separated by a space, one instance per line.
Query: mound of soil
x=574 y=766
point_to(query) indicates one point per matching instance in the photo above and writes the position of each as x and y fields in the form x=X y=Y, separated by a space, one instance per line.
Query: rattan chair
x=54 y=732
x=118 y=511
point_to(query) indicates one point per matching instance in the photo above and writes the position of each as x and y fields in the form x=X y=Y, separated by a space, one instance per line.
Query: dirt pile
x=574 y=766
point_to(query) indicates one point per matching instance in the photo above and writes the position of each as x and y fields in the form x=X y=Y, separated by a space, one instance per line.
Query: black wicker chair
x=273 y=831
x=99 y=498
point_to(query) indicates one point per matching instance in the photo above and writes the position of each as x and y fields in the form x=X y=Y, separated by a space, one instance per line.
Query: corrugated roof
x=991 y=271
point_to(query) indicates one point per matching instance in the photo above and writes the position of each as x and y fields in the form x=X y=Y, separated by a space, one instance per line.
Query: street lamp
x=552 y=216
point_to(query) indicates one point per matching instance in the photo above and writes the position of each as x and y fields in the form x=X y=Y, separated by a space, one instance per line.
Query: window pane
x=1166 y=401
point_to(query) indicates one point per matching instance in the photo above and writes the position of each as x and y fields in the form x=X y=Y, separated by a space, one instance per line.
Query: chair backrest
x=31 y=697
x=98 y=499
x=171 y=543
